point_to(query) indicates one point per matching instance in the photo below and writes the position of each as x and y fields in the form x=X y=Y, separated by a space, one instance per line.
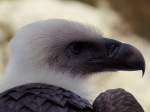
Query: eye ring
x=76 y=48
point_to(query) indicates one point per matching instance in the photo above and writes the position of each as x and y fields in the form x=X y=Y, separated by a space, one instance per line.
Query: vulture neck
x=19 y=75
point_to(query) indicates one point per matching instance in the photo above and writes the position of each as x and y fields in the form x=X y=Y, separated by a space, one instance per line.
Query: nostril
x=112 y=49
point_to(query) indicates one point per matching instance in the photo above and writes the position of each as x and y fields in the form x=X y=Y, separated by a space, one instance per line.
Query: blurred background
x=124 y=20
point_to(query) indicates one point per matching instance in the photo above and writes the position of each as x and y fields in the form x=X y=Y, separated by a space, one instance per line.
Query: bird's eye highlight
x=76 y=48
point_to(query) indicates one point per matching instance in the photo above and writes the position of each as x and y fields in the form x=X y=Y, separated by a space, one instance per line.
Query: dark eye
x=76 y=48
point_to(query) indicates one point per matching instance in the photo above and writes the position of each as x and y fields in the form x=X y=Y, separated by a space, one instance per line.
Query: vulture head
x=63 y=53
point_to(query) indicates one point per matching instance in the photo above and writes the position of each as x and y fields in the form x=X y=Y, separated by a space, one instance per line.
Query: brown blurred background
x=125 y=20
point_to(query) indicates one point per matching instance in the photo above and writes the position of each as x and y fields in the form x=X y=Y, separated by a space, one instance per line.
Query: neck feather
x=16 y=75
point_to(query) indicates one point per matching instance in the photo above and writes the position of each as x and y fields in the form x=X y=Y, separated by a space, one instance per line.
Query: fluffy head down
x=37 y=51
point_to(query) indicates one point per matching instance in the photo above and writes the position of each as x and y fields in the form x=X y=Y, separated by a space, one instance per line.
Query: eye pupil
x=76 y=48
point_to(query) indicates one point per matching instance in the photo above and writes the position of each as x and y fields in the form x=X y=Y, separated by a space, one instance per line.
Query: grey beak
x=117 y=56
x=130 y=58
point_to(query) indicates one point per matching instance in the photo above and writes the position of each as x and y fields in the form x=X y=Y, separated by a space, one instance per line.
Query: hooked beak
x=118 y=56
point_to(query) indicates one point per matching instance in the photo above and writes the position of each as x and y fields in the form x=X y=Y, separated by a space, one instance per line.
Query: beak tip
x=143 y=71
x=143 y=67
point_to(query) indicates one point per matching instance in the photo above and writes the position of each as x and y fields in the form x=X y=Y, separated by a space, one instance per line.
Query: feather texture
x=38 y=97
